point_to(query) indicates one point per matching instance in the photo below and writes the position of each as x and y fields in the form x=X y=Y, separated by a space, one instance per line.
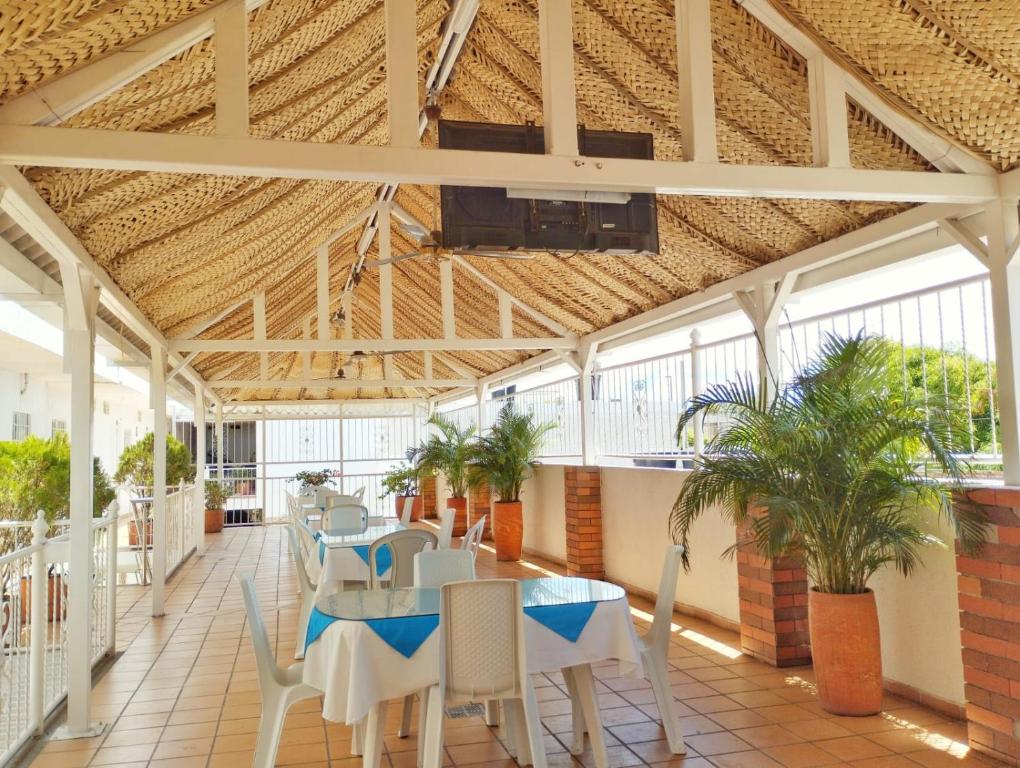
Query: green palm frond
x=831 y=469
x=449 y=451
x=505 y=456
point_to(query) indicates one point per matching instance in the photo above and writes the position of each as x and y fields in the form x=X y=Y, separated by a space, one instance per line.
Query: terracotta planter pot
x=846 y=652
x=54 y=598
x=133 y=533
x=460 y=520
x=416 y=509
x=508 y=529
x=214 y=520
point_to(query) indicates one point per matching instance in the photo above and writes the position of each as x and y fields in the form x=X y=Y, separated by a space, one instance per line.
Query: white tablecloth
x=356 y=668
x=338 y=564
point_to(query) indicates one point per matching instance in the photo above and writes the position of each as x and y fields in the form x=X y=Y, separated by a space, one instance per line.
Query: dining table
x=341 y=554
x=365 y=648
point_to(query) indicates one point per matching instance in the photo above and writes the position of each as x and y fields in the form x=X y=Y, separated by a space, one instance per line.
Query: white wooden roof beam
x=402 y=71
x=259 y=312
x=268 y=383
x=230 y=46
x=559 y=99
x=322 y=292
x=446 y=299
x=386 y=286
x=695 y=70
x=65 y=96
x=271 y=158
x=369 y=345
x=830 y=134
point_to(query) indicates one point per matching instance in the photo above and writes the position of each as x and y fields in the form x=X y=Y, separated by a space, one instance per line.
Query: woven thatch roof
x=186 y=247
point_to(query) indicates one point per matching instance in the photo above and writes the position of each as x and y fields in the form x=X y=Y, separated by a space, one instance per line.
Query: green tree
x=135 y=465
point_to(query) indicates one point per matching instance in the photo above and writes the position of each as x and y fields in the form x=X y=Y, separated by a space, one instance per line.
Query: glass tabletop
x=368 y=604
x=356 y=537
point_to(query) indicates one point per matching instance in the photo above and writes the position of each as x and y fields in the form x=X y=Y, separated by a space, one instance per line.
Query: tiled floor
x=184 y=693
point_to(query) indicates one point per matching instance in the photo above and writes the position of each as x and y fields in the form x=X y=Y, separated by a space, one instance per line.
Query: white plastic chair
x=307 y=538
x=359 y=494
x=441 y=566
x=446 y=521
x=279 y=688
x=306 y=590
x=404 y=545
x=473 y=538
x=654 y=653
x=344 y=516
x=335 y=499
x=482 y=656
x=405 y=513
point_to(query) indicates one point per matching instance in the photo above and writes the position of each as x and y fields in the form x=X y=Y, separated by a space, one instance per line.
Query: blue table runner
x=404 y=634
x=568 y=620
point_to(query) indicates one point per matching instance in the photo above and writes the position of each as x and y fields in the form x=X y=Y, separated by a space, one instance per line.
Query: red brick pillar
x=479 y=503
x=989 y=594
x=428 y=492
x=773 y=608
x=583 y=488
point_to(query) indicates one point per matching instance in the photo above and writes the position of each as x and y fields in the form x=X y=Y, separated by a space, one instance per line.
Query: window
x=22 y=426
x=58 y=427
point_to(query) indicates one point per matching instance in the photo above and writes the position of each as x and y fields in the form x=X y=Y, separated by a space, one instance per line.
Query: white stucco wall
x=545 y=520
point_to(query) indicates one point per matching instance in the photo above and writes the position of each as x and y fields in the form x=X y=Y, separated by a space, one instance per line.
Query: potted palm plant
x=832 y=471
x=505 y=458
x=448 y=450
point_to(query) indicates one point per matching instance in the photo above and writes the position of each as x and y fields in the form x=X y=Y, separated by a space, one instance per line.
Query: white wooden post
x=219 y=441
x=559 y=99
x=262 y=466
x=157 y=396
x=199 y=471
x=81 y=300
x=763 y=307
x=694 y=68
x=1004 y=272
x=111 y=577
x=697 y=388
x=37 y=648
x=402 y=72
x=588 y=443
x=830 y=135
x=230 y=49
x=482 y=393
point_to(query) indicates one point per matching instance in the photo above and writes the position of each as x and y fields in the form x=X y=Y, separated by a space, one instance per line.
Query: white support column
x=219 y=441
x=385 y=285
x=697 y=388
x=763 y=307
x=589 y=453
x=506 y=316
x=482 y=393
x=345 y=302
x=1004 y=271
x=322 y=292
x=402 y=71
x=259 y=311
x=446 y=299
x=697 y=93
x=81 y=300
x=262 y=425
x=830 y=134
x=427 y=365
x=199 y=471
x=157 y=396
x=306 y=357
x=559 y=100
x=230 y=45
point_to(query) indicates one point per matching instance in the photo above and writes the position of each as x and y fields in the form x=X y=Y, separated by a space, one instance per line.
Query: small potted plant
x=505 y=458
x=310 y=479
x=449 y=451
x=402 y=481
x=134 y=469
x=831 y=471
x=216 y=496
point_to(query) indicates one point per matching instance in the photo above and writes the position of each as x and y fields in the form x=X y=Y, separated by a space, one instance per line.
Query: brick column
x=773 y=608
x=583 y=489
x=989 y=594
x=428 y=492
x=480 y=503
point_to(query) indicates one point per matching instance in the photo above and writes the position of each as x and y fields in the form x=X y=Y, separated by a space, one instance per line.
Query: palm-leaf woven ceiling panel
x=186 y=248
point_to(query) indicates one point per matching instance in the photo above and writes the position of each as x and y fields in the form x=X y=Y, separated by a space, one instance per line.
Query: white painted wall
x=545 y=517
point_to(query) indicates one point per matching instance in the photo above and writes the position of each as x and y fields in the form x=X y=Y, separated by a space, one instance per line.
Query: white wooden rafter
x=402 y=71
x=830 y=134
x=342 y=384
x=376 y=346
x=556 y=55
x=695 y=70
x=446 y=299
x=259 y=312
x=230 y=47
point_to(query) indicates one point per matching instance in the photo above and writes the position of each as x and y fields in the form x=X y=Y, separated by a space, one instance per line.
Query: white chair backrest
x=446 y=521
x=321 y=494
x=658 y=634
x=344 y=516
x=299 y=564
x=334 y=499
x=481 y=640
x=473 y=538
x=269 y=671
x=359 y=494
x=404 y=545
x=307 y=538
x=438 y=567
x=306 y=500
x=405 y=513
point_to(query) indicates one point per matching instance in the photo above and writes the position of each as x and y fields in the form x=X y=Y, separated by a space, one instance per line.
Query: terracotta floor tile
x=802 y=755
x=77 y=759
x=464 y=754
x=112 y=755
x=762 y=736
x=852 y=748
x=717 y=743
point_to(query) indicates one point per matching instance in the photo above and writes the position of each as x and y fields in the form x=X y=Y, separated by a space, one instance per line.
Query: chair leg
x=405 y=719
x=434 y=729
x=274 y=709
x=576 y=714
x=374 y=734
x=358 y=739
x=423 y=711
x=656 y=671
x=584 y=683
x=511 y=724
x=492 y=713
x=304 y=614
x=534 y=723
